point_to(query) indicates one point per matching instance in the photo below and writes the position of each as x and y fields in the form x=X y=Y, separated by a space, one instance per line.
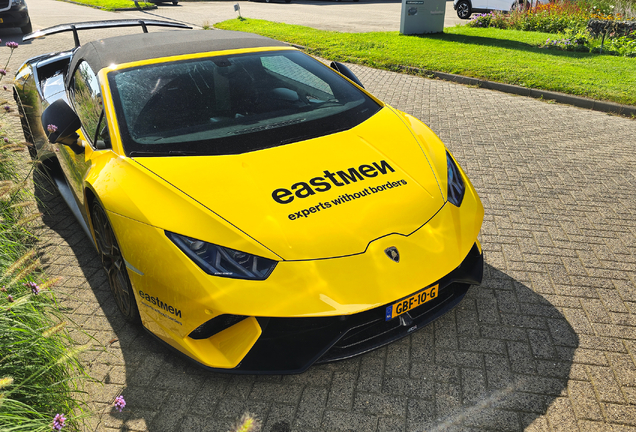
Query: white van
x=465 y=8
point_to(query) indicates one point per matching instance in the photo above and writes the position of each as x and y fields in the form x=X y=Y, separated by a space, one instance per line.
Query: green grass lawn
x=507 y=56
x=114 y=4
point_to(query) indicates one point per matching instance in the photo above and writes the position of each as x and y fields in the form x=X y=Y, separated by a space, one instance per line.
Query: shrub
x=549 y=18
x=622 y=45
x=495 y=19
x=582 y=41
x=480 y=20
x=622 y=9
x=571 y=41
x=611 y=27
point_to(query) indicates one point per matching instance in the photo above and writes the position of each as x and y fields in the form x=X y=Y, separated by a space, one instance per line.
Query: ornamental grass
x=40 y=372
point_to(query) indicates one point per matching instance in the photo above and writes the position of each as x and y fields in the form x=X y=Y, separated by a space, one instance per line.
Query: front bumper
x=17 y=16
x=291 y=345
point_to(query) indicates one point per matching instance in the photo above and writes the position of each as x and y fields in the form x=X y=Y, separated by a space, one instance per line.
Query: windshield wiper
x=267 y=126
x=161 y=153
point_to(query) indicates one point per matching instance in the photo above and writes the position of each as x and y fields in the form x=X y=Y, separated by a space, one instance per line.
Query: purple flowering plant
x=570 y=41
x=59 y=421
x=480 y=20
x=40 y=371
x=12 y=45
x=120 y=403
x=3 y=72
x=491 y=19
x=35 y=288
x=41 y=354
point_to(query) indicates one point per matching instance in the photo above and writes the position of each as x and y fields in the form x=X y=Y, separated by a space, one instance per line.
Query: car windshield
x=233 y=104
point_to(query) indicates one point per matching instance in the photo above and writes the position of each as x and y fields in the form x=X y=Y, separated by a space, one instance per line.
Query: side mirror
x=64 y=119
x=339 y=67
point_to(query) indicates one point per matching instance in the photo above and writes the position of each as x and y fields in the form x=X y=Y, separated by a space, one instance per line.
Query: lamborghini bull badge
x=393 y=253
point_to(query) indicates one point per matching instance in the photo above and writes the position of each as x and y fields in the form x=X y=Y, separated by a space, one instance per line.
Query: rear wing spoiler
x=89 y=25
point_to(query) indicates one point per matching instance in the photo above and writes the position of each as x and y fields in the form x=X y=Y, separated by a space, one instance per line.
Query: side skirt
x=69 y=199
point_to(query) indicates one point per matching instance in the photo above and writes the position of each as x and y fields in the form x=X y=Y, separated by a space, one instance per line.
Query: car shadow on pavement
x=12 y=35
x=498 y=361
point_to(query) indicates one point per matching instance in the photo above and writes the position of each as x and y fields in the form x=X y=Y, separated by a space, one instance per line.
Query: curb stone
x=577 y=101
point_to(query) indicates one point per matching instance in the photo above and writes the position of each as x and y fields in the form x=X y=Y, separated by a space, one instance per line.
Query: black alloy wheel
x=463 y=9
x=113 y=264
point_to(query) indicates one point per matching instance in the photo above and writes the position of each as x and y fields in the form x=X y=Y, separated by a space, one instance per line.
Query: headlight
x=221 y=261
x=17 y=2
x=456 y=187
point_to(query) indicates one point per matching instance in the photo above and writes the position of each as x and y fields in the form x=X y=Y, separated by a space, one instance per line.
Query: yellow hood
x=320 y=198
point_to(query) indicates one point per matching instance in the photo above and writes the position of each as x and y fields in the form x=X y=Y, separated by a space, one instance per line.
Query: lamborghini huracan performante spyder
x=253 y=208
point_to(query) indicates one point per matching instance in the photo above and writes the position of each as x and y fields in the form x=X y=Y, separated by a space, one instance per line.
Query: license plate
x=405 y=305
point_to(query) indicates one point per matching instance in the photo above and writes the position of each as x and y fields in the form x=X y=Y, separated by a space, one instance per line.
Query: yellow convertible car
x=255 y=209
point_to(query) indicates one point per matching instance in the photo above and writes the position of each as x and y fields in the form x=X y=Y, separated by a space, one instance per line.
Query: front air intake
x=215 y=325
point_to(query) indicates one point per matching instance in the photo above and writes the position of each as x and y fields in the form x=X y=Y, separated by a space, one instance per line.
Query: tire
x=518 y=5
x=27 y=28
x=113 y=264
x=175 y=3
x=464 y=9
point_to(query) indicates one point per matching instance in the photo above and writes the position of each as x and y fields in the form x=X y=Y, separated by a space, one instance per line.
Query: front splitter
x=291 y=345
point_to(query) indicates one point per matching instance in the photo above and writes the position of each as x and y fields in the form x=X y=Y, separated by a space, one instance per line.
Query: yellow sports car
x=254 y=209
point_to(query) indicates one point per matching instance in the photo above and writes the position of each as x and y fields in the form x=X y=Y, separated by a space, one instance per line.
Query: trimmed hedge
x=598 y=27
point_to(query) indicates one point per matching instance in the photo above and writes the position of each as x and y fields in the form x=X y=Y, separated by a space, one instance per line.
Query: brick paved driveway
x=546 y=343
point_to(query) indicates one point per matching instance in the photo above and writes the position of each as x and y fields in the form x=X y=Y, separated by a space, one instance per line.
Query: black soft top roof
x=143 y=46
